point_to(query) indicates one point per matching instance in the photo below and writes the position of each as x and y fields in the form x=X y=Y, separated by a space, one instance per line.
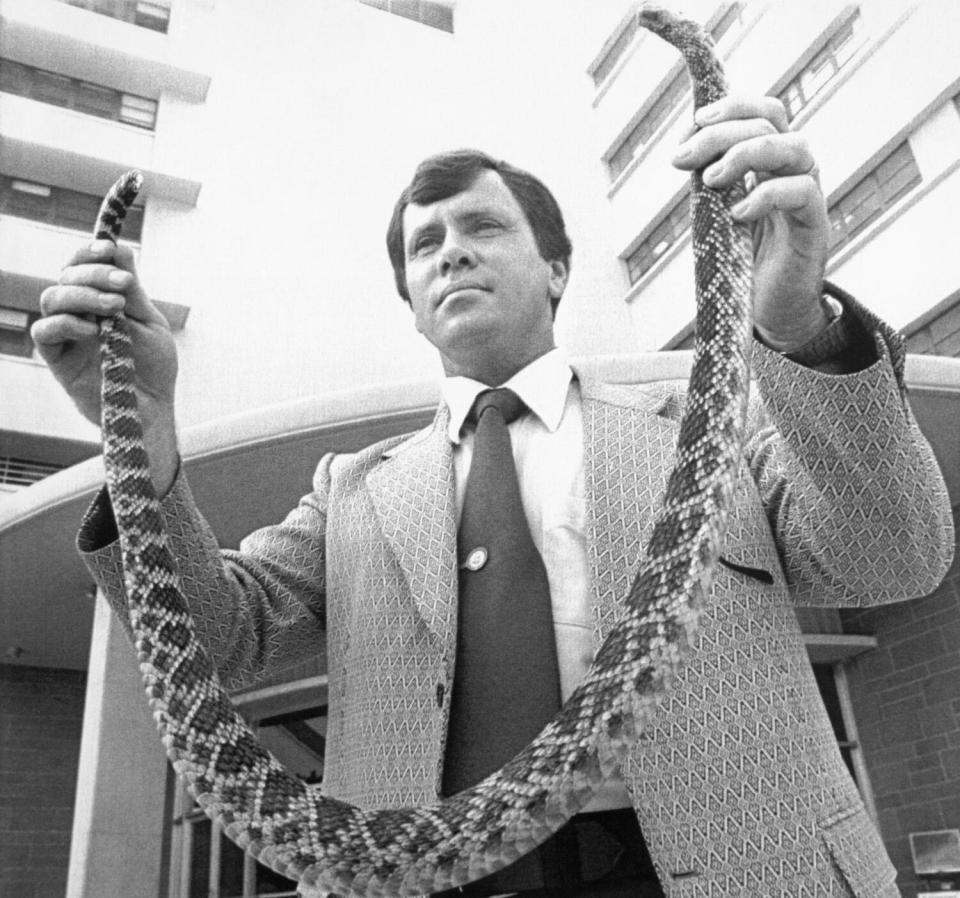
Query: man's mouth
x=457 y=287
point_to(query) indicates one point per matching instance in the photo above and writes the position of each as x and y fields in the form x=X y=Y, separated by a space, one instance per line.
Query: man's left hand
x=750 y=137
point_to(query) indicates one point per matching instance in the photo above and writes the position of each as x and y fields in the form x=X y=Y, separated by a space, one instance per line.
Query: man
x=739 y=788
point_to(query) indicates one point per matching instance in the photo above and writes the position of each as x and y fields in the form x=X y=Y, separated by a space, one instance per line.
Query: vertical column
x=118 y=820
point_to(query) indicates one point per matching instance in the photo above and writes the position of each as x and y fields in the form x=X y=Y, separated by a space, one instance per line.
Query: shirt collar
x=542 y=385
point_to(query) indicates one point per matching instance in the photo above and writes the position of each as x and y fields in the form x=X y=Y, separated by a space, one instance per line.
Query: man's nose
x=456 y=256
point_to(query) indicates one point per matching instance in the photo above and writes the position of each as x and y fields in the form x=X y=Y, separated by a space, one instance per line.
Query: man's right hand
x=100 y=280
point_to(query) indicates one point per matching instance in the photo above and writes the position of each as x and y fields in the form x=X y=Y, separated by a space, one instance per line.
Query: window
x=835 y=693
x=427 y=12
x=667 y=99
x=609 y=59
x=152 y=15
x=643 y=131
x=204 y=861
x=138 y=111
x=15 y=332
x=820 y=70
x=672 y=224
x=895 y=176
x=59 y=206
x=71 y=93
x=730 y=16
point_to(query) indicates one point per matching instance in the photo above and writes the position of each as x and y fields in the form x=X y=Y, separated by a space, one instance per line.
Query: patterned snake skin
x=328 y=845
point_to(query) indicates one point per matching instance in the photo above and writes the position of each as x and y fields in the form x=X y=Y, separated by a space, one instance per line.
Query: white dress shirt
x=548 y=452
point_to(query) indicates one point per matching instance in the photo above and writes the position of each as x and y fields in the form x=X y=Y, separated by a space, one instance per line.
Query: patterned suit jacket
x=739 y=787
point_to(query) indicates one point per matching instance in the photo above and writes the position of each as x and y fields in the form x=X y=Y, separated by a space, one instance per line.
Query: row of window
x=876 y=192
x=797 y=94
x=59 y=206
x=667 y=231
x=642 y=132
x=152 y=14
x=427 y=12
x=822 y=68
x=624 y=37
x=54 y=206
x=896 y=175
x=72 y=93
x=649 y=122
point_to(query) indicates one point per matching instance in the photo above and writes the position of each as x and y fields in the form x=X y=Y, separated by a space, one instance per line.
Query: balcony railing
x=152 y=15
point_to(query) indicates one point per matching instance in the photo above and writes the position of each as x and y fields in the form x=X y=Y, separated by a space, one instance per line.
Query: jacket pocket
x=756 y=573
x=855 y=846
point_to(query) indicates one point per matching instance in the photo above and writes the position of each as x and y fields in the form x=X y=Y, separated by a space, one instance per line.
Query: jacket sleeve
x=851 y=488
x=257 y=610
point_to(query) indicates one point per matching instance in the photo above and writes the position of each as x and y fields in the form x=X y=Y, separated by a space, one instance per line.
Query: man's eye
x=424 y=244
x=488 y=224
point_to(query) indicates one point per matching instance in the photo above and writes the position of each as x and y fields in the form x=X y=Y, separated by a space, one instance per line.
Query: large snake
x=328 y=845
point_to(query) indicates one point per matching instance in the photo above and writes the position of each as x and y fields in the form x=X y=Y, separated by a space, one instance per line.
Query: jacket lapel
x=412 y=492
x=630 y=434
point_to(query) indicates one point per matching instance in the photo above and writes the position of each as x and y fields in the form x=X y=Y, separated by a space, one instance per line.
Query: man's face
x=479 y=289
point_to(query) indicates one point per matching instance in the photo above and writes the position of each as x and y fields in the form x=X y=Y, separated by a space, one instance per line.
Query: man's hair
x=447 y=174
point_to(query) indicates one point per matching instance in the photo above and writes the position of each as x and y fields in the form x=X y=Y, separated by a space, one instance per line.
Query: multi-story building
x=274 y=139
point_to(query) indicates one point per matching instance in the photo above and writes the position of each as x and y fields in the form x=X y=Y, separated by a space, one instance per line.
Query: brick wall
x=41 y=713
x=906 y=700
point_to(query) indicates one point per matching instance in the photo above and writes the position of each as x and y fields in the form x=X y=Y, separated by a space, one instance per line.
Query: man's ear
x=558 y=279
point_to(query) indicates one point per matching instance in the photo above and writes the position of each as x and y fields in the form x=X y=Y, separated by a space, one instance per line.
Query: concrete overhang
x=249 y=470
x=104 y=50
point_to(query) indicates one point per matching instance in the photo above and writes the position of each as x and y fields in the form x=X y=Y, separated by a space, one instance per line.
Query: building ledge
x=834 y=648
x=102 y=50
x=44 y=143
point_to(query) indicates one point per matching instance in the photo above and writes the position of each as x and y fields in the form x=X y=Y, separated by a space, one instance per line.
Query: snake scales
x=326 y=844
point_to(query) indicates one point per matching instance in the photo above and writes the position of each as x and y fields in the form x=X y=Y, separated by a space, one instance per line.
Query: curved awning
x=250 y=469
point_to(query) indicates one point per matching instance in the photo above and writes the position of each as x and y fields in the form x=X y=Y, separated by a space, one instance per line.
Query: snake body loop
x=326 y=844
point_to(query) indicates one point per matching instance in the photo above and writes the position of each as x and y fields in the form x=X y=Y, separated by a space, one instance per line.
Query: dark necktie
x=506 y=681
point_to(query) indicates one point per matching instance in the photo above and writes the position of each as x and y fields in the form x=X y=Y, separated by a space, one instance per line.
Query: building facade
x=274 y=139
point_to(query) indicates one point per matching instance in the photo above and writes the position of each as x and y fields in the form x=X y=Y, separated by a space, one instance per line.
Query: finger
x=124 y=257
x=97 y=251
x=737 y=106
x=116 y=276
x=105 y=252
x=710 y=143
x=138 y=306
x=97 y=276
x=798 y=195
x=772 y=155
x=50 y=335
x=79 y=300
x=688 y=132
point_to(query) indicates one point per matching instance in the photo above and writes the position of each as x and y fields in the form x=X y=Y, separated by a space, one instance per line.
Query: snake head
x=654 y=17
x=674 y=28
x=652 y=13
